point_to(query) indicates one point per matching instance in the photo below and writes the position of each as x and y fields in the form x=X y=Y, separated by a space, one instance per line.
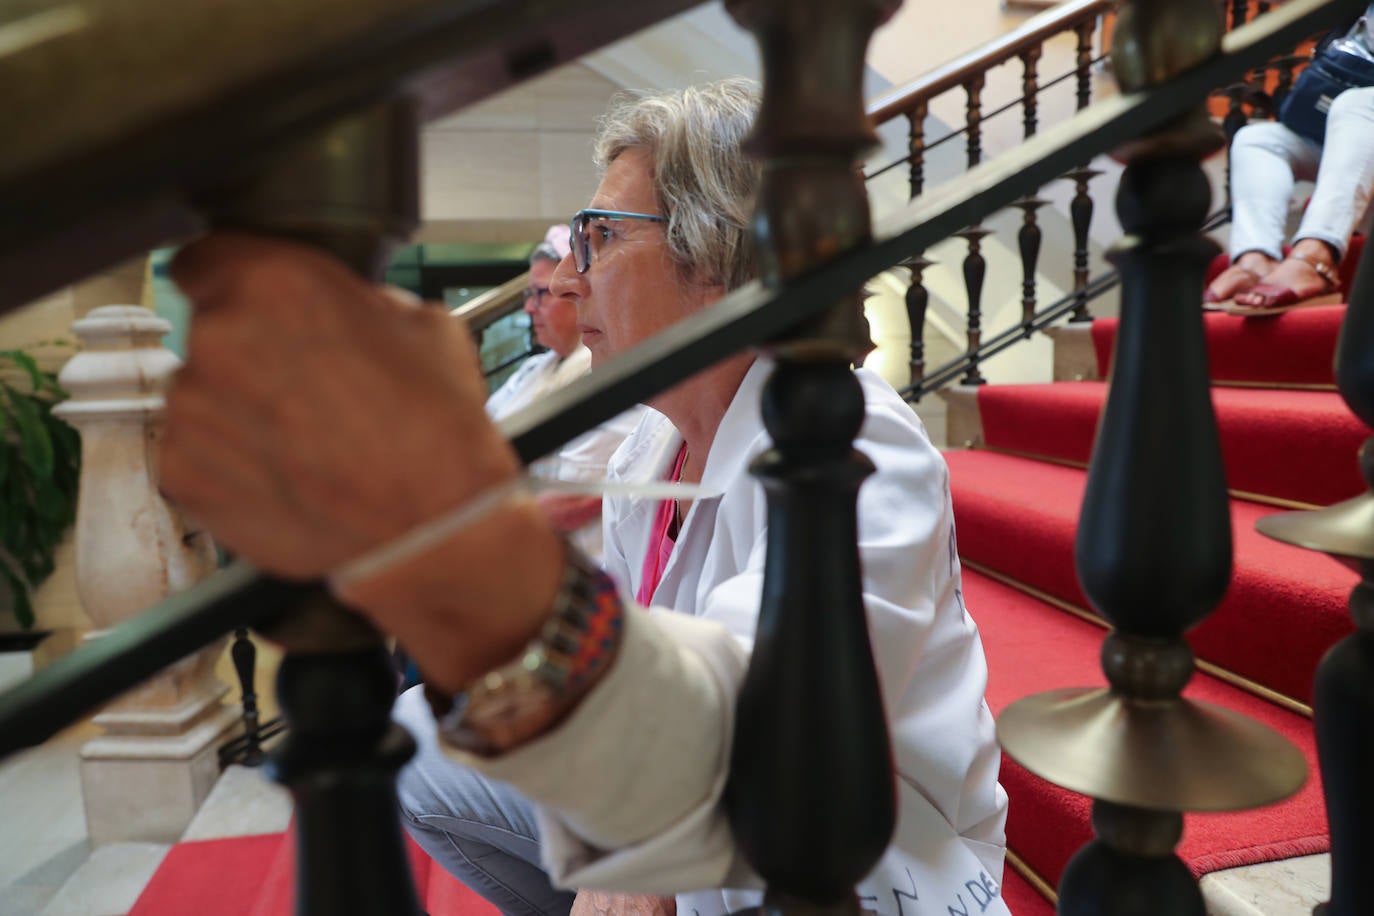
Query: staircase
x=1288 y=441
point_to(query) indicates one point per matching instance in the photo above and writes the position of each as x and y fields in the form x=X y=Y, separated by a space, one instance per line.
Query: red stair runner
x=1294 y=445
x=252 y=876
x=1296 y=348
x=1284 y=609
x=255 y=876
x=1047 y=824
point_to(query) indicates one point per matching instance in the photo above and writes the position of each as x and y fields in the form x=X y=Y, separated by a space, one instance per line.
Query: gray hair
x=704 y=181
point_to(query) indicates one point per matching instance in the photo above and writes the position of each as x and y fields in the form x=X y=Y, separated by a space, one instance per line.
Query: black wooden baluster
x=975 y=269
x=973 y=119
x=1262 y=7
x=1028 y=236
x=1239 y=9
x=1028 y=241
x=353 y=191
x=1343 y=699
x=1083 y=67
x=1081 y=207
x=917 y=147
x=1030 y=90
x=810 y=715
x=1081 y=215
x=917 y=298
x=1285 y=67
x=1153 y=551
x=246 y=748
x=975 y=265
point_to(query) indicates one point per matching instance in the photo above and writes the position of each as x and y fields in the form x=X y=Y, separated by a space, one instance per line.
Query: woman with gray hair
x=608 y=773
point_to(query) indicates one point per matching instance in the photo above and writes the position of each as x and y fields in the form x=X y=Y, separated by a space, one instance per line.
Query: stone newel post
x=146 y=776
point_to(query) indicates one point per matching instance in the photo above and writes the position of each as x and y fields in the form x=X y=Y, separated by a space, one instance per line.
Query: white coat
x=653 y=737
x=584 y=458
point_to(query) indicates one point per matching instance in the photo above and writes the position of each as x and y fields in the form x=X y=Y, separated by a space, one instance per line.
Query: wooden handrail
x=903 y=99
x=480 y=312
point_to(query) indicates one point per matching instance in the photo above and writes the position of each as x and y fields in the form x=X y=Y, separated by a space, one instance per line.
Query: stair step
x=1285 y=606
x=1299 y=446
x=1296 y=348
x=1033 y=647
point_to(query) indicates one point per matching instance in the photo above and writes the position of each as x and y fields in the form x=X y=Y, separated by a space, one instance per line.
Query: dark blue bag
x=1331 y=72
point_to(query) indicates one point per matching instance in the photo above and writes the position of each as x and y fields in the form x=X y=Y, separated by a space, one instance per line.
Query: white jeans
x=1267 y=159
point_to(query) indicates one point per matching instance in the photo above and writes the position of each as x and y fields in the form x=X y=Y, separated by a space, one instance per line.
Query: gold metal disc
x=1345 y=530
x=1180 y=755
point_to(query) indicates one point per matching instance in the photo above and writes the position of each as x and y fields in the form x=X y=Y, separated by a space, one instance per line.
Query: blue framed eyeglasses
x=589 y=232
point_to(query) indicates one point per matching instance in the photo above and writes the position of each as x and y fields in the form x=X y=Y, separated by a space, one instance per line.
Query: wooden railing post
x=812 y=630
x=353 y=191
x=1343 y=698
x=1153 y=550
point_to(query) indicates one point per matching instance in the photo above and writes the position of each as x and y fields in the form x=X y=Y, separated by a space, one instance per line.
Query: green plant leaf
x=26 y=362
x=19 y=592
x=33 y=434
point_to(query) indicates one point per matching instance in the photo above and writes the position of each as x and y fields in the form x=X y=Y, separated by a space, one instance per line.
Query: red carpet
x=192 y=882
x=1296 y=348
x=254 y=876
x=1047 y=824
x=1284 y=609
x=1295 y=445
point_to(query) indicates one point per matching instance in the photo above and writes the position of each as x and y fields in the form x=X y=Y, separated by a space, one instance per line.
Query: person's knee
x=1263 y=136
x=1353 y=105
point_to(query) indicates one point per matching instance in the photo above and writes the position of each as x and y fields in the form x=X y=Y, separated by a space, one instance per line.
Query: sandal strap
x=1323 y=269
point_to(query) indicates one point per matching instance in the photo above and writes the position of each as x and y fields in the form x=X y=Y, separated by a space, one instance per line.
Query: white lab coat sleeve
x=628 y=786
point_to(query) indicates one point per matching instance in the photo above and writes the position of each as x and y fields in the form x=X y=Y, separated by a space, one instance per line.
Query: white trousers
x=1267 y=159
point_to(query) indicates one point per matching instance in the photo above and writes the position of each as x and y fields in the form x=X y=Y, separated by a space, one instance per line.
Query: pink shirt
x=661 y=537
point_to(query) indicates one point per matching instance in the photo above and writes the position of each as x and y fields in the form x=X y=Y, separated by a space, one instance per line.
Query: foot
x=1307 y=272
x=1239 y=277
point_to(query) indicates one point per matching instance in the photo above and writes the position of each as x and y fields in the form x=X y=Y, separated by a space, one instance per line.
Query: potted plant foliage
x=40 y=461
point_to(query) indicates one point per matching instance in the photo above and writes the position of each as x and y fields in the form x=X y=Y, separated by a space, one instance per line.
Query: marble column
x=145 y=777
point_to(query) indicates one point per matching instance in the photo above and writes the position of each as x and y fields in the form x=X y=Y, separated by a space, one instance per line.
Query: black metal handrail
x=65 y=691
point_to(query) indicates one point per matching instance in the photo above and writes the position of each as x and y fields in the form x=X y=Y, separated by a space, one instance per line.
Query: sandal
x=1211 y=302
x=1280 y=299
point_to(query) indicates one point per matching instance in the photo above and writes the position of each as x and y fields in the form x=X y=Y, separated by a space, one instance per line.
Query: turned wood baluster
x=353 y=191
x=1343 y=698
x=1084 y=66
x=810 y=714
x=975 y=270
x=1153 y=550
x=1081 y=207
x=1028 y=242
x=1028 y=236
x=245 y=656
x=917 y=147
x=917 y=299
x=975 y=265
x=1284 y=84
x=1081 y=215
x=1239 y=9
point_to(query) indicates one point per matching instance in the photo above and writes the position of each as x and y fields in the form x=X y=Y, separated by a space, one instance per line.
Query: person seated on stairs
x=610 y=777
x=553 y=321
x=1267 y=158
